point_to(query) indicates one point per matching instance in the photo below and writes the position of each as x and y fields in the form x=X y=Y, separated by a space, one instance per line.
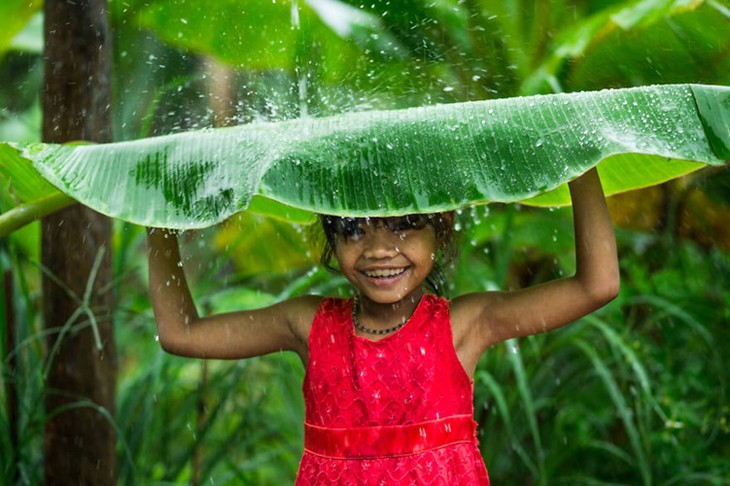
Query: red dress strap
x=388 y=441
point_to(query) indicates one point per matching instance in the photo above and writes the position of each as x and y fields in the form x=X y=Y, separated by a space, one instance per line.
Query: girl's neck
x=375 y=315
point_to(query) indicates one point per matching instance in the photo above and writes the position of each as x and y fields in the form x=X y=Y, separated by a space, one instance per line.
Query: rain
x=635 y=393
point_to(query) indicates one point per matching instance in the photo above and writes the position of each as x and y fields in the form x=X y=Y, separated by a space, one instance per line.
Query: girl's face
x=386 y=259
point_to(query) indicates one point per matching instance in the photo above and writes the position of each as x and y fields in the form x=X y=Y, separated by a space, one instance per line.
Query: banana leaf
x=383 y=163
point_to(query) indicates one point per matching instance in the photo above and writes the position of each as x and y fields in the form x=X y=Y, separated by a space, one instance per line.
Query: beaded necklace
x=358 y=325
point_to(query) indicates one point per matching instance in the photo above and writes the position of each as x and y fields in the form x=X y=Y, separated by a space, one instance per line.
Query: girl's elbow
x=172 y=337
x=606 y=290
x=168 y=346
x=613 y=290
x=178 y=347
x=614 y=283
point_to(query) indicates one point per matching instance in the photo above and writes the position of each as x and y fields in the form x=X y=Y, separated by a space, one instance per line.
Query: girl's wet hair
x=346 y=227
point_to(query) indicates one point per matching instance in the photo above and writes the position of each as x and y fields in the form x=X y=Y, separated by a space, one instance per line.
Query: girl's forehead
x=391 y=222
x=374 y=220
x=381 y=219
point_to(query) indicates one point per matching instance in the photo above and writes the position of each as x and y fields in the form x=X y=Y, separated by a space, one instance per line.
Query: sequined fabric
x=410 y=381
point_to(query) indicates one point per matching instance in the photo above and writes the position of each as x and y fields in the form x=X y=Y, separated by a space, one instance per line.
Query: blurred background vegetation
x=634 y=394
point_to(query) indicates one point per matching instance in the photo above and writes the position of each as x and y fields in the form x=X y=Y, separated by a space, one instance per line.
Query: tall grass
x=22 y=367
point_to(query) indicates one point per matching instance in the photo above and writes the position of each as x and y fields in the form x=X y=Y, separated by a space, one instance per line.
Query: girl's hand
x=483 y=319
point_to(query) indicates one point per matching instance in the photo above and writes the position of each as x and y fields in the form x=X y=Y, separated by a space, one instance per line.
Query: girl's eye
x=354 y=233
x=351 y=229
x=405 y=223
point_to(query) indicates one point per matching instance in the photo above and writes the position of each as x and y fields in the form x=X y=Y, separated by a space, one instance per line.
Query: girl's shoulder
x=303 y=310
x=470 y=311
x=332 y=309
x=304 y=307
x=467 y=307
x=299 y=312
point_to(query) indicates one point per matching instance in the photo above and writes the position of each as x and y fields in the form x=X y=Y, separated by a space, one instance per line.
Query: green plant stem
x=24 y=214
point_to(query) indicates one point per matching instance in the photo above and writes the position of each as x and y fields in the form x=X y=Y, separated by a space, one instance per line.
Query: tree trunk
x=80 y=439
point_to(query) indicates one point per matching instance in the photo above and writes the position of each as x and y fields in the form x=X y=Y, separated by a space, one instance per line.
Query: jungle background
x=635 y=394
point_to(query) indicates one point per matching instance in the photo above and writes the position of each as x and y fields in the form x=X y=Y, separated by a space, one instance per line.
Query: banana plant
x=631 y=43
x=381 y=163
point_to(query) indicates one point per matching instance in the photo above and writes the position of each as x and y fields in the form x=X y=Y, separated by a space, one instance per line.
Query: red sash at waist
x=388 y=441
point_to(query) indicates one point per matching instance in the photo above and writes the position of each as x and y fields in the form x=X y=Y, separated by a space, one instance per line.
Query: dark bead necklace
x=358 y=325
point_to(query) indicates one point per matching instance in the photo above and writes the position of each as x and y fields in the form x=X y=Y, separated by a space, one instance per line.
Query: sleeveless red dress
x=398 y=411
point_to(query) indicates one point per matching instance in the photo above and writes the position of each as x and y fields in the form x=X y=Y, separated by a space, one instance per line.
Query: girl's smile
x=384 y=276
x=384 y=273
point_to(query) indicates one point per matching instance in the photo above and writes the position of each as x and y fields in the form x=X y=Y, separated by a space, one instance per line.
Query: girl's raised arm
x=182 y=331
x=483 y=319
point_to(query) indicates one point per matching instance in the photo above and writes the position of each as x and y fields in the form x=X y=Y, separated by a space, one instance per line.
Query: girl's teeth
x=384 y=273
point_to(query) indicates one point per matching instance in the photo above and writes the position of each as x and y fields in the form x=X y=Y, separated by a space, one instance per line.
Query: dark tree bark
x=80 y=390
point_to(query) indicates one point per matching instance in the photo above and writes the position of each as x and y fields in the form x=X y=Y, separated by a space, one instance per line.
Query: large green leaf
x=270 y=35
x=633 y=43
x=691 y=43
x=402 y=161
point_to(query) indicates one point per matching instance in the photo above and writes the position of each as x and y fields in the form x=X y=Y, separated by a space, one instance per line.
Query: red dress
x=398 y=411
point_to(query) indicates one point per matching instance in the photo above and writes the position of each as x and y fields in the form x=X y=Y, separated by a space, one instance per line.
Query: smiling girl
x=388 y=384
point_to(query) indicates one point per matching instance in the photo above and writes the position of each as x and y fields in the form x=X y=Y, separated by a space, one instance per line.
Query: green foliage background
x=635 y=394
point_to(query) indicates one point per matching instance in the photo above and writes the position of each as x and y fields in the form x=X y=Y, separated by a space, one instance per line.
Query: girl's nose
x=380 y=243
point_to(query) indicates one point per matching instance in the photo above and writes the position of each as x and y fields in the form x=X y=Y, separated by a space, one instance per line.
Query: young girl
x=388 y=387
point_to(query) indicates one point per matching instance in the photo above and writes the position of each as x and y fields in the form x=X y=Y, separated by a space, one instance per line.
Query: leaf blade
x=396 y=162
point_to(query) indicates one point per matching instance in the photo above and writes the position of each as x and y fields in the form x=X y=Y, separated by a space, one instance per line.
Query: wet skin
x=387 y=264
